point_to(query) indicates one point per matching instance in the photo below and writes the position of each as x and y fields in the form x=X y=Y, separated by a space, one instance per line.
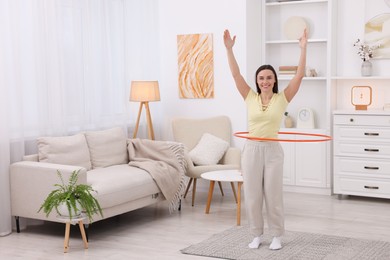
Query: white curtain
x=66 y=66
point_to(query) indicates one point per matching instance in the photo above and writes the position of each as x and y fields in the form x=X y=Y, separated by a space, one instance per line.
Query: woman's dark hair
x=275 y=89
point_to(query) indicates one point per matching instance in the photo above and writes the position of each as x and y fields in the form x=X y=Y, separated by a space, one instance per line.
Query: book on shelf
x=288 y=68
x=287 y=73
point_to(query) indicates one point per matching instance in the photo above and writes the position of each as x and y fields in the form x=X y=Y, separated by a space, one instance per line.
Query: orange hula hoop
x=322 y=138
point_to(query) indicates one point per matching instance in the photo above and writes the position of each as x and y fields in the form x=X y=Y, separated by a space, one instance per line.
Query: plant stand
x=73 y=221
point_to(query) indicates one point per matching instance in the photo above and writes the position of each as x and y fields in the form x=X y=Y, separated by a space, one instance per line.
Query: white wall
x=192 y=17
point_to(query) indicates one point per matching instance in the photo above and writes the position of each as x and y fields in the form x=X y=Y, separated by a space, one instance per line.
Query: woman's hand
x=295 y=83
x=303 y=40
x=227 y=39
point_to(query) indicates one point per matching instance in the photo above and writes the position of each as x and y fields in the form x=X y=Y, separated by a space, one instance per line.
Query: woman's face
x=266 y=80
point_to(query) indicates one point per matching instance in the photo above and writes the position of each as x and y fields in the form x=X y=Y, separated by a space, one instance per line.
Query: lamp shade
x=144 y=91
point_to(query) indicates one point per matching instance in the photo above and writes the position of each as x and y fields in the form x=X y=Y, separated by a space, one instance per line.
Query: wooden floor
x=152 y=233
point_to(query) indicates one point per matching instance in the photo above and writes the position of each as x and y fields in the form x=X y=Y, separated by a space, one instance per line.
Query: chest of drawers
x=361 y=154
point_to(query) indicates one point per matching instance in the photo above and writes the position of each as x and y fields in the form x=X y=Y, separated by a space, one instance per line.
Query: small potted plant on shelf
x=72 y=199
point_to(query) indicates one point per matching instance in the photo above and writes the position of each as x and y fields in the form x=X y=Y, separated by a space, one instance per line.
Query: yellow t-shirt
x=265 y=123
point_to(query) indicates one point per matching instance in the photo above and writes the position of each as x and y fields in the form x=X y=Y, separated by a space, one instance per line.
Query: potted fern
x=75 y=198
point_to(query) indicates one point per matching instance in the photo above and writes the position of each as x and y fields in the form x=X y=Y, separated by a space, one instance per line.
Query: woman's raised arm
x=295 y=82
x=241 y=84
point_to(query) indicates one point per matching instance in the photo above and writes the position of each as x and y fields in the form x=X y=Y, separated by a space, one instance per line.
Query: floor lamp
x=144 y=92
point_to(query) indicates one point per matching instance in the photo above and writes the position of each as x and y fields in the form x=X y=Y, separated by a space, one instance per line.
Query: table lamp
x=361 y=97
x=144 y=92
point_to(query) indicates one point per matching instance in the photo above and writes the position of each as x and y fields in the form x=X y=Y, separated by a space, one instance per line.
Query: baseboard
x=307 y=190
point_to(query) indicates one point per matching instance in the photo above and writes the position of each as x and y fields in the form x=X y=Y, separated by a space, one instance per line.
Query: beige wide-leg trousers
x=262 y=169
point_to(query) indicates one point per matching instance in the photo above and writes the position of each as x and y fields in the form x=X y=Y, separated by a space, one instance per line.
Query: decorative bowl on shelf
x=294 y=27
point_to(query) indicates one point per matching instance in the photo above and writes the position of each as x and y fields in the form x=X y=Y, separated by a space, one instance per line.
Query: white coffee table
x=231 y=176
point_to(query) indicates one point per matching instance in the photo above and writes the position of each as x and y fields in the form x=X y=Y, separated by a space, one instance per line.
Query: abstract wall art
x=377 y=31
x=195 y=65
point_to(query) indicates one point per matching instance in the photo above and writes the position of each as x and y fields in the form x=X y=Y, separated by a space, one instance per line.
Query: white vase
x=64 y=211
x=366 y=68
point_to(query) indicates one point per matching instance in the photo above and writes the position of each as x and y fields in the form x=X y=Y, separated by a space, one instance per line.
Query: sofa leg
x=179 y=205
x=17 y=224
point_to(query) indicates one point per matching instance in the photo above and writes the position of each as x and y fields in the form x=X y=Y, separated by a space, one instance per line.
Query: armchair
x=189 y=131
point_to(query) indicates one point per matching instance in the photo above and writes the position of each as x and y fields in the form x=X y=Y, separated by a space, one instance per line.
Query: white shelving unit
x=307 y=165
x=278 y=50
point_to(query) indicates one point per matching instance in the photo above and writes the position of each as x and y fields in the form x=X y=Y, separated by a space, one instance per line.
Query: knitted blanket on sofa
x=165 y=162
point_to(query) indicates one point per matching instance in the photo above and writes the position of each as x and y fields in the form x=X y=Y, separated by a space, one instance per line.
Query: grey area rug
x=233 y=244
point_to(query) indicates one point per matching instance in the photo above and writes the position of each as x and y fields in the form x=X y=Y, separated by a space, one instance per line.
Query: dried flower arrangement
x=365 y=51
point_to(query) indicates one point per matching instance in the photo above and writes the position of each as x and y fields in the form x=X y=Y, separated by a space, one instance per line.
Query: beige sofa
x=103 y=160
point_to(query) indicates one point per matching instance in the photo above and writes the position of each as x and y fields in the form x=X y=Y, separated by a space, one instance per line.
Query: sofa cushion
x=209 y=150
x=68 y=150
x=119 y=184
x=107 y=147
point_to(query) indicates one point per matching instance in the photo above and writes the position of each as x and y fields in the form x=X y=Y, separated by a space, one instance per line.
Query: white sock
x=255 y=243
x=276 y=243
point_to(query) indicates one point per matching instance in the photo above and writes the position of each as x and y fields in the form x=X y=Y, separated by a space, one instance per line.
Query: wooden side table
x=73 y=221
x=225 y=176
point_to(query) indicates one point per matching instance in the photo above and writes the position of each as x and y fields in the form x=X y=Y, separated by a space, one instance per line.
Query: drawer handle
x=371 y=150
x=371 y=187
x=371 y=134
x=371 y=168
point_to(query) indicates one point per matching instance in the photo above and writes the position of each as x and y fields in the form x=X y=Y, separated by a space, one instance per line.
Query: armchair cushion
x=209 y=150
